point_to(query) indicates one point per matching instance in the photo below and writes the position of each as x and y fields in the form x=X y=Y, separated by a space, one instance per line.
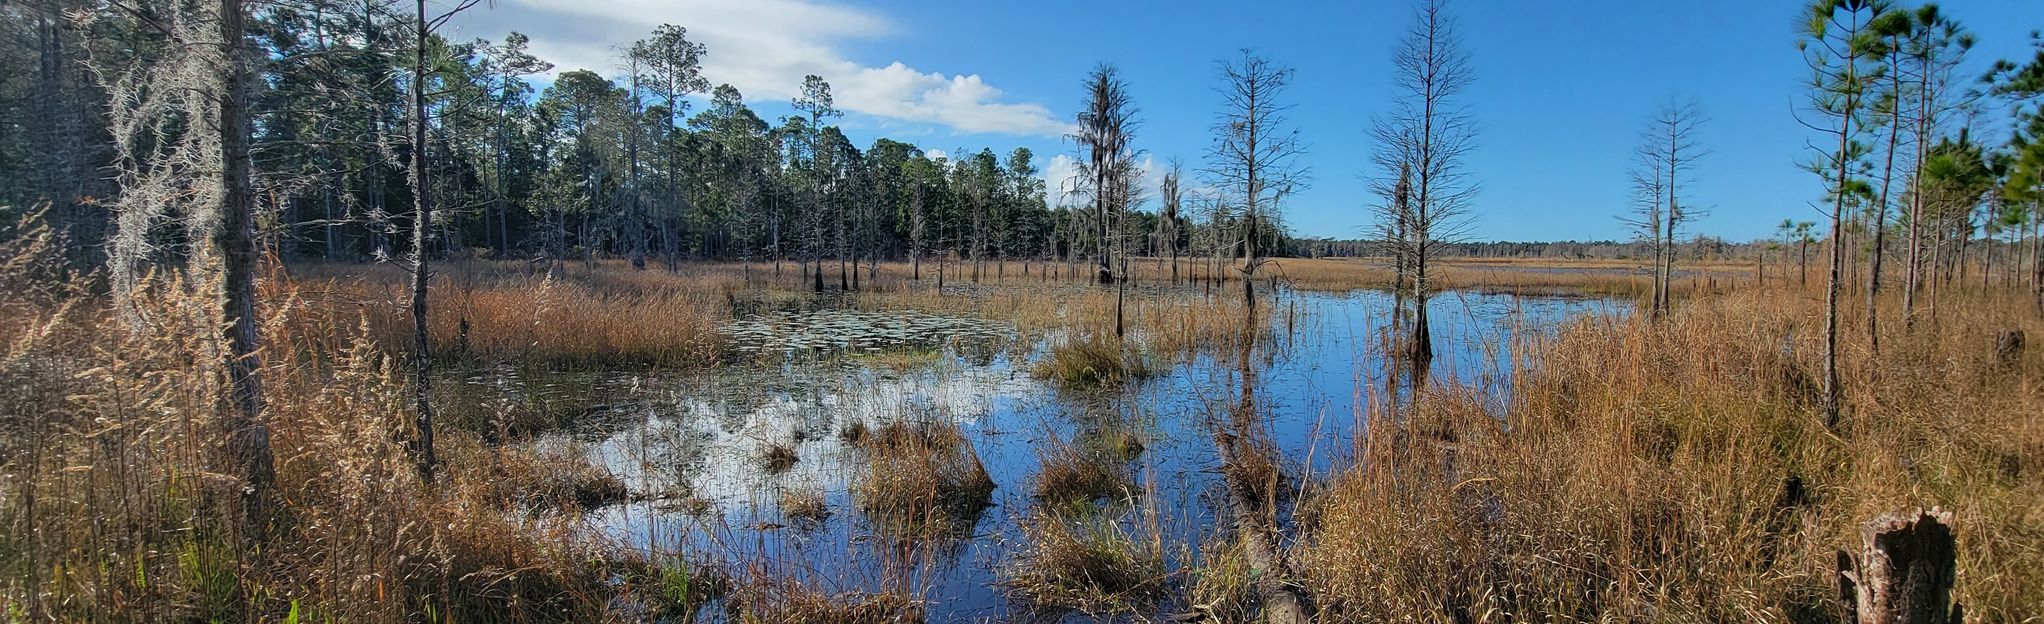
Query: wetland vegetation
x=647 y=367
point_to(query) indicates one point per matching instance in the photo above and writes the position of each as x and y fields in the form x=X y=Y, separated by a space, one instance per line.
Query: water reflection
x=695 y=444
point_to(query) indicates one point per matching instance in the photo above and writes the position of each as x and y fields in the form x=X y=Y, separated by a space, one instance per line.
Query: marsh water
x=692 y=445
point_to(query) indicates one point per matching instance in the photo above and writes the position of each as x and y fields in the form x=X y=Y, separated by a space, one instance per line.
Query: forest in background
x=198 y=427
x=647 y=162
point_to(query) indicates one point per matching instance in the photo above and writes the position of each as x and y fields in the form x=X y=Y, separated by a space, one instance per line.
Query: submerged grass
x=805 y=503
x=771 y=601
x=1070 y=476
x=550 y=478
x=1221 y=587
x=778 y=457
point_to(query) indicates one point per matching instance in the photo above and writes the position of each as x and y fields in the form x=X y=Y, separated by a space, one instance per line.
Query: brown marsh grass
x=580 y=316
x=1092 y=561
x=779 y=601
x=1680 y=471
x=1070 y=476
x=1671 y=471
x=921 y=478
x=1092 y=362
x=116 y=508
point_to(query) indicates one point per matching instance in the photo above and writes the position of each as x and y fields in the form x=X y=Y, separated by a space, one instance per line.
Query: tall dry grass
x=1680 y=471
x=578 y=316
x=116 y=507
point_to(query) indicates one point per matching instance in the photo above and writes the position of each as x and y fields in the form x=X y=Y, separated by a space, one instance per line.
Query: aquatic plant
x=922 y=478
x=1095 y=563
x=779 y=601
x=804 y=503
x=1091 y=363
x=778 y=456
x=1070 y=476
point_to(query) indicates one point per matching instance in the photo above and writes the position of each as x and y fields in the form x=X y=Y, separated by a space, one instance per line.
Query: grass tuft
x=779 y=456
x=804 y=503
x=782 y=602
x=1071 y=476
x=1089 y=562
x=922 y=478
x=1092 y=363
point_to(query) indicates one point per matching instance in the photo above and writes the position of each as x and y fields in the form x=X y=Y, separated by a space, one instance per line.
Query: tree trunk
x=248 y=434
x=2037 y=257
x=422 y=224
x=1914 y=279
x=1904 y=573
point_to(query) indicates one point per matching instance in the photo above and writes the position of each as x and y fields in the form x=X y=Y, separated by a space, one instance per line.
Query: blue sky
x=1561 y=89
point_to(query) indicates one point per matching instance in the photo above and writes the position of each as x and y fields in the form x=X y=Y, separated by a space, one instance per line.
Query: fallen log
x=1283 y=600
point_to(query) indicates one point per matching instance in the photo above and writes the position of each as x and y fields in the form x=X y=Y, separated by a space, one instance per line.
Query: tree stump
x=2008 y=346
x=1904 y=573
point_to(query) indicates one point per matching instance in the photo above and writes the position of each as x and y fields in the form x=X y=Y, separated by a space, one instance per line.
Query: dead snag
x=1904 y=573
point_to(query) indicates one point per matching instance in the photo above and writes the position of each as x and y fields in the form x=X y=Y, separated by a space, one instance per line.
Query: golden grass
x=589 y=317
x=768 y=601
x=1090 y=561
x=1092 y=363
x=119 y=509
x=1671 y=470
x=544 y=479
x=921 y=479
x=1677 y=471
x=1070 y=477
x=1222 y=585
x=804 y=502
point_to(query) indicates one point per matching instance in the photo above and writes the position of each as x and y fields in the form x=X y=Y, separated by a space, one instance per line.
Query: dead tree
x=1668 y=149
x=1106 y=125
x=1426 y=134
x=1172 y=196
x=1253 y=160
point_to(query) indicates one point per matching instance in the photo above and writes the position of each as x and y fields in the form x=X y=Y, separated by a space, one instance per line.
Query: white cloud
x=765 y=47
x=1061 y=177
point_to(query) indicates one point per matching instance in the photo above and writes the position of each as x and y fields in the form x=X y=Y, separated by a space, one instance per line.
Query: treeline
x=1699 y=248
x=627 y=165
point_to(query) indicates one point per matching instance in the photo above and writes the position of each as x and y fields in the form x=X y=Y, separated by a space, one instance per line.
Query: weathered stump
x=1904 y=572
x=2008 y=346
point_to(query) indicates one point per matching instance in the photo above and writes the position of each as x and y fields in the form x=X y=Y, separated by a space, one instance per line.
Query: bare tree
x=1173 y=198
x=1254 y=157
x=1668 y=149
x=1426 y=134
x=1106 y=125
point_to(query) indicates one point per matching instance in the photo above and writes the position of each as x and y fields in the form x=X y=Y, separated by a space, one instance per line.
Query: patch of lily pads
x=800 y=332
